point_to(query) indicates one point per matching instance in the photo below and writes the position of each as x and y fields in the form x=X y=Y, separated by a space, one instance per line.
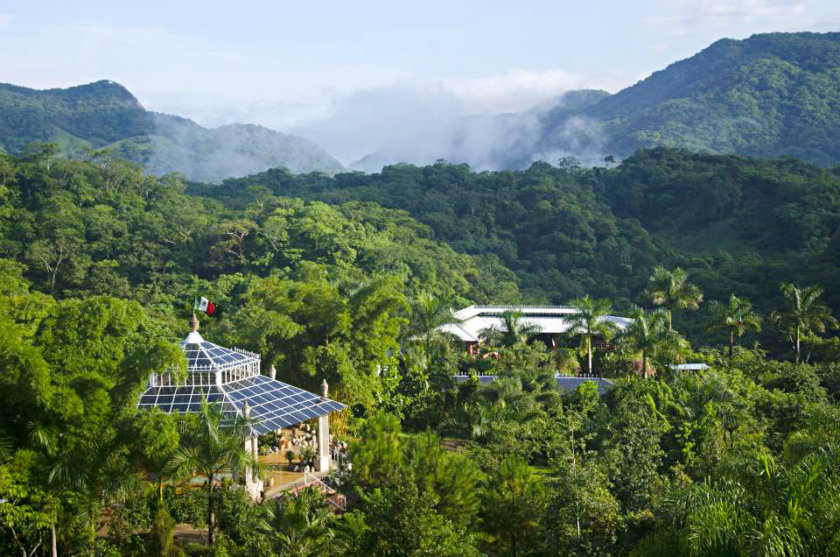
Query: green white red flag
x=203 y=304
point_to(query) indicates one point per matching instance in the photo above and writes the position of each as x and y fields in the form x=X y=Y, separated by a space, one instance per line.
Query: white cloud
x=739 y=17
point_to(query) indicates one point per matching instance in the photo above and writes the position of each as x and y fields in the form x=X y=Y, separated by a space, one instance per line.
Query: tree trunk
x=574 y=472
x=589 y=354
x=210 y=509
x=644 y=364
x=731 y=344
x=798 y=352
x=53 y=542
x=669 y=321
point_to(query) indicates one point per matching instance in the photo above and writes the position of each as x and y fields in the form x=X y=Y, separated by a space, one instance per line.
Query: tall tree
x=514 y=503
x=589 y=322
x=428 y=314
x=671 y=290
x=157 y=442
x=210 y=448
x=803 y=314
x=649 y=333
x=736 y=318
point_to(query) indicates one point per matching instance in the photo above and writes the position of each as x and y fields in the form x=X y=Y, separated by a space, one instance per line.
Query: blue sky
x=329 y=65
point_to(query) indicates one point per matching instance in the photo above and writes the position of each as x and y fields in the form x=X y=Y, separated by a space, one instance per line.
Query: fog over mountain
x=770 y=95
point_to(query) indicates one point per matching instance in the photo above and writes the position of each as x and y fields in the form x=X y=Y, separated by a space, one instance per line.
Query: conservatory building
x=232 y=378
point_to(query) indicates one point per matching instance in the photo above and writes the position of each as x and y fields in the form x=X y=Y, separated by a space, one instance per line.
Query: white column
x=253 y=484
x=323 y=463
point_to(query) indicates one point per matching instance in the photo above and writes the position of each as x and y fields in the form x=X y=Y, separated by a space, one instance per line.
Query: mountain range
x=770 y=95
x=105 y=114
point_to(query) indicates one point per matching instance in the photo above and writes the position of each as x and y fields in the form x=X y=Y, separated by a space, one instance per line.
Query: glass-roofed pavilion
x=231 y=377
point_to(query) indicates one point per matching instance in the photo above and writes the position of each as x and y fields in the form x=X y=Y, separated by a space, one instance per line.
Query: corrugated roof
x=476 y=321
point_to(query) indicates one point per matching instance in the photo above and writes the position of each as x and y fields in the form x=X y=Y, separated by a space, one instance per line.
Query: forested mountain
x=106 y=115
x=737 y=224
x=769 y=95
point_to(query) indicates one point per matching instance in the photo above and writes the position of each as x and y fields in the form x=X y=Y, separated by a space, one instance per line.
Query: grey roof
x=566 y=383
x=571 y=383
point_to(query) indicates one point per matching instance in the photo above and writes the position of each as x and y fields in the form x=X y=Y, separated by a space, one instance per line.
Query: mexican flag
x=205 y=305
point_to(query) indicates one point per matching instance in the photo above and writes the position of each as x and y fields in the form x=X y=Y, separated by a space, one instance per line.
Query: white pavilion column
x=323 y=464
x=253 y=484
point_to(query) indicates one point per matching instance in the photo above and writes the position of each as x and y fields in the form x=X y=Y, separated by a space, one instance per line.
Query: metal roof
x=272 y=404
x=476 y=321
x=206 y=355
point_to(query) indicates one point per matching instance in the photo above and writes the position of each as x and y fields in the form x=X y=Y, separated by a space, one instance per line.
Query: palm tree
x=211 y=447
x=672 y=290
x=803 y=314
x=512 y=330
x=648 y=334
x=428 y=315
x=736 y=318
x=298 y=528
x=589 y=322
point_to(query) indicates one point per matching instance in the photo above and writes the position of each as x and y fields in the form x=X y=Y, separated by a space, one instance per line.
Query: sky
x=328 y=69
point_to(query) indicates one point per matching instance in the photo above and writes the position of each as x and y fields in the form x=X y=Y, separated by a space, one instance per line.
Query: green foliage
x=514 y=503
x=299 y=527
x=401 y=520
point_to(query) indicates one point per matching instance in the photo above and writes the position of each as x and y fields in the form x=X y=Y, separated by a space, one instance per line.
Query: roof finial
x=194 y=323
x=246 y=410
x=324 y=388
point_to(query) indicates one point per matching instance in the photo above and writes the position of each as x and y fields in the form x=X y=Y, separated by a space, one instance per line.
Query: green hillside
x=99 y=263
x=769 y=95
x=737 y=224
x=106 y=115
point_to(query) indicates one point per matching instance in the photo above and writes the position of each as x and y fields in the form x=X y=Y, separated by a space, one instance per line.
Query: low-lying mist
x=211 y=155
x=374 y=128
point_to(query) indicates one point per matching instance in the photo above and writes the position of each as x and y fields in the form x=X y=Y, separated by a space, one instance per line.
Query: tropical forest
x=283 y=359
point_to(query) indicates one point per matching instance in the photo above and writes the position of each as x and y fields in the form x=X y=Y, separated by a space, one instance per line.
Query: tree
x=451 y=477
x=401 y=520
x=428 y=314
x=672 y=290
x=211 y=447
x=589 y=321
x=513 y=330
x=514 y=504
x=299 y=527
x=28 y=513
x=803 y=314
x=648 y=334
x=157 y=441
x=377 y=456
x=736 y=318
